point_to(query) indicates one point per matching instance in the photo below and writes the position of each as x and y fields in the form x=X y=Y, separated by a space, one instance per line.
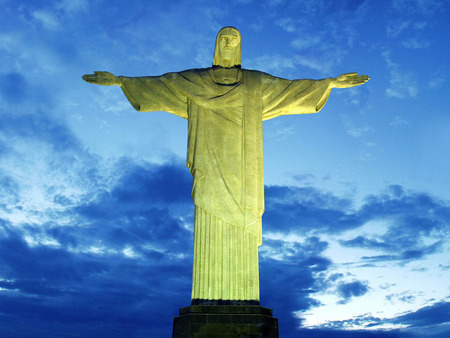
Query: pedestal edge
x=226 y=309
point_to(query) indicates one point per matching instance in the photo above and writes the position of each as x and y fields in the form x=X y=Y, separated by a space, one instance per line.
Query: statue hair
x=237 y=59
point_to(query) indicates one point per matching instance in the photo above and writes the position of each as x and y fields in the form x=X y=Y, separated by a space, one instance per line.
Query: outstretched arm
x=349 y=80
x=285 y=97
x=102 y=78
x=148 y=93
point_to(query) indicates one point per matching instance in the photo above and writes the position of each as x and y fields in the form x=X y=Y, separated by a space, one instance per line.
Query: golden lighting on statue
x=225 y=107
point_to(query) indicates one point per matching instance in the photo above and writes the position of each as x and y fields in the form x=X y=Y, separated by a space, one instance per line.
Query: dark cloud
x=353 y=289
x=60 y=290
x=324 y=333
x=429 y=321
x=149 y=204
x=42 y=127
x=42 y=264
x=148 y=211
x=404 y=255
x=434 y=319
x=409 y=217
x=169 y=184
x=289 y=283
x=338 y=330
x=122 y=257
x=364 y=242
x=120 y=263
x=306 y=210
x=287 y=288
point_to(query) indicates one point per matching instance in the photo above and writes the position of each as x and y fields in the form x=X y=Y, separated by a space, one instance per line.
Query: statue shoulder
x=257 y=75
x=195 y=72
x=192 y=75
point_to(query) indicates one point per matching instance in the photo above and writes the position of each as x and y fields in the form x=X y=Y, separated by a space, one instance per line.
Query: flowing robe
x=225 y=157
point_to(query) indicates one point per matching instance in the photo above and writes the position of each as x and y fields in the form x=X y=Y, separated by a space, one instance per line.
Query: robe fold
x=225 y=150
x=225 y=146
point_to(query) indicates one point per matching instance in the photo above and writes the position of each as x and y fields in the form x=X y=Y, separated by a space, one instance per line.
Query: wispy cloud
x=287 y=24
x=352 y=129
x=270 y=63
x=399 y=121
x=436 y=81
x=415 y=43
x=395 y=28
x=47 y=19
x=402 y=84
x=421 y=7
x=72 y=7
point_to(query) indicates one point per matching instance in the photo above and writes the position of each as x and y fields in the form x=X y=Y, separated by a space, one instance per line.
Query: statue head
x=228 y=48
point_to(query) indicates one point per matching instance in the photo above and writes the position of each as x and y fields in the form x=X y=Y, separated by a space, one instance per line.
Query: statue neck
x=227 y=75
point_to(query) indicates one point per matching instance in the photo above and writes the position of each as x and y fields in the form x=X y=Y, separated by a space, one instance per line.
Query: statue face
x=228 y=45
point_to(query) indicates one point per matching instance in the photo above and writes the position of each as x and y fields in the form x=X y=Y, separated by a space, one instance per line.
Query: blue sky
x=96 y=217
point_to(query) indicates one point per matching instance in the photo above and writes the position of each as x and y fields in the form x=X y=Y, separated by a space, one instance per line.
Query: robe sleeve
x=286 y=97
x=156 y=93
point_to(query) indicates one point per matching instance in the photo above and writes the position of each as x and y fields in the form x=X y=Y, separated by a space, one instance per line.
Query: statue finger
x=88 y=77
x=361 y=78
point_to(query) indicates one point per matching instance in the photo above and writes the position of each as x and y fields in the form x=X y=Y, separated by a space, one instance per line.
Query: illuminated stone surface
x=225 y=106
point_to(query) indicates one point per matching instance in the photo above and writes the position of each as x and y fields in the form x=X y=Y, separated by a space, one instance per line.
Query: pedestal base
x=227 y=321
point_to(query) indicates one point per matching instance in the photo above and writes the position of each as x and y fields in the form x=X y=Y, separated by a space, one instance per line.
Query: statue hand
x=349 y=80
x=102 y=78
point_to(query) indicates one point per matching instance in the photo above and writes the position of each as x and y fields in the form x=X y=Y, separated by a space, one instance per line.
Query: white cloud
x=399 y=121
x=354 y=130
x=130 y=253
x=387 y=299
x=421 y=7
x=395 y=28
x=47 y=19
x=72 y=6
x=302 y=43
x=204 y=56
x=420 y=25
x=279 y=132
x=436 y=81
x=314 y=63
x=415 y=43
x=402 y=84
x=268 y=63
x=287 y=24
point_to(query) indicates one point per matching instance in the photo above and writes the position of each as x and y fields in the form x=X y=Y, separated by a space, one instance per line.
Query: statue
x=225 y=106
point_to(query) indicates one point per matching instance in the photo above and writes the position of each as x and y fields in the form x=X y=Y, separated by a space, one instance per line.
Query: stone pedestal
x=227 y=321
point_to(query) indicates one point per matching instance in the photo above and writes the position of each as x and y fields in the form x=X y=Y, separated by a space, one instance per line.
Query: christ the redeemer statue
x=225 y=106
